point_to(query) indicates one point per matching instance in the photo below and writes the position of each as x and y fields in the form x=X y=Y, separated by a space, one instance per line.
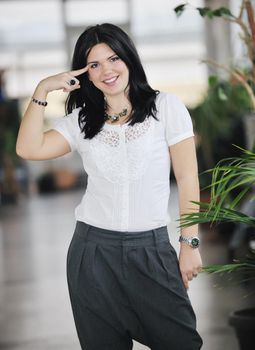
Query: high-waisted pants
x=127 y=285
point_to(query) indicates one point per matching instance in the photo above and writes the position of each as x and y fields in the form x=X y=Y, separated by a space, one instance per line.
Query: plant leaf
x=222 y=11
x=213 y=80
x=180 y=9
x=208 y=12
x=222 y=95
x=224 y=268
x=214 y=215
x=204 y=11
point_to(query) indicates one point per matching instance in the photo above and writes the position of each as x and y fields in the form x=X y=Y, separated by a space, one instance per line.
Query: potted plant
x=232 y=185
x=227 y=175
x=218 y=119
x=229 y=99
x=246 y=77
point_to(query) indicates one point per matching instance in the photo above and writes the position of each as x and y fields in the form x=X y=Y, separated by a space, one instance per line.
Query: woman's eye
x=116 y=58
x=93 y=65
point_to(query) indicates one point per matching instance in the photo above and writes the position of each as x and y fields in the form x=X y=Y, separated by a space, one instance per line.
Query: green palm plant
x=245 y=19
x=241 y=78
x=228 y=175
x=232 y=183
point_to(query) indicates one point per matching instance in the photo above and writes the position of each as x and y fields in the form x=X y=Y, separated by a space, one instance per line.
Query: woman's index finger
x=77 y=72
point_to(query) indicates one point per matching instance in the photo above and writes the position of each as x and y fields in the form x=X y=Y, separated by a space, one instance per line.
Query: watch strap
x=192 y=241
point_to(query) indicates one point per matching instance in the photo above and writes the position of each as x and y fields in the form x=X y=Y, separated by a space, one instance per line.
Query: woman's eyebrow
x=97 y=61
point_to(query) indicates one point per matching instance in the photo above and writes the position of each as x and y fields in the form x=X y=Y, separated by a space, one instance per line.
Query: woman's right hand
x=61 y=81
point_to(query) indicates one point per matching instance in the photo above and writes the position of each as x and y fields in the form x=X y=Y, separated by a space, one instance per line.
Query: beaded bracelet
x=41 y=103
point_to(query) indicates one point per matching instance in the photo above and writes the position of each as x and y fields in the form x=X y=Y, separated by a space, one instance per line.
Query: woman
x=125 y=280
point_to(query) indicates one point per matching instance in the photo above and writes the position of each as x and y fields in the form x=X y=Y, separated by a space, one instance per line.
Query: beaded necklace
x=116 y=116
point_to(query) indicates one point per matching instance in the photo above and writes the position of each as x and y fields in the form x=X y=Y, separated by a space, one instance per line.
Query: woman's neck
x=117 y=104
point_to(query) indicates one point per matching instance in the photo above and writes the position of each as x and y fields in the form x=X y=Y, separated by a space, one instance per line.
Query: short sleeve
x=176 y=119
x=68 y=127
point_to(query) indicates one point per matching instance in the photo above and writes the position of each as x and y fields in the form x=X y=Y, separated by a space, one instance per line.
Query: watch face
x=195 y=242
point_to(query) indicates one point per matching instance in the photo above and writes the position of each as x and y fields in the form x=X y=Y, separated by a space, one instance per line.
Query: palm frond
x=247 y=266
x=227 y=268
x=215 y=214
x=228 y=175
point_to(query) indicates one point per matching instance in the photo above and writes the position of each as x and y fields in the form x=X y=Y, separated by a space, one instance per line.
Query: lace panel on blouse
x=111 y=137
x=137 y=130
x=120 y=164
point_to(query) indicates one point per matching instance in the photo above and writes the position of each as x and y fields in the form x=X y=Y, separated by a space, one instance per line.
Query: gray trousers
x=127 y=285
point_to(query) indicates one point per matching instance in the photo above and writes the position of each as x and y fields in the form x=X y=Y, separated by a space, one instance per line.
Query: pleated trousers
x=127 y=286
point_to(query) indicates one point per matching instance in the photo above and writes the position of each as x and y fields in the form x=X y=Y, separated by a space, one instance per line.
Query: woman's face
x=107 y=71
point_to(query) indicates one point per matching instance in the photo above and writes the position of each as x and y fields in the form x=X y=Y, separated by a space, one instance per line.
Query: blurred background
x=37 y=198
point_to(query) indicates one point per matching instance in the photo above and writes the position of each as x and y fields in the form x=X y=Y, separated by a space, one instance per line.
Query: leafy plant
x=227 y=175
x=233 y=177
x=220 y=115
x=218 y=120
x=246 y=77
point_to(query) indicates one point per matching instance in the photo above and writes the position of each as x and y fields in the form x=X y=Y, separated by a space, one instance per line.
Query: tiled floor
x=35 y=312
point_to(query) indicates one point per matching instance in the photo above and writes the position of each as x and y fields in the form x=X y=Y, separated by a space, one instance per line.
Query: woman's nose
x=106 y=68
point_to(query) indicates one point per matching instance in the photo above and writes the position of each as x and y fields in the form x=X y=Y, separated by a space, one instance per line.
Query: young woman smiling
x=125 y=280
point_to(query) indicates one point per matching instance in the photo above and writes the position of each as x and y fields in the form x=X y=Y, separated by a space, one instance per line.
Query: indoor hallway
x=34 y=302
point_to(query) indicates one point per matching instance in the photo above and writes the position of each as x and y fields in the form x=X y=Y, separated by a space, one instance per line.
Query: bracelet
x=41 y=103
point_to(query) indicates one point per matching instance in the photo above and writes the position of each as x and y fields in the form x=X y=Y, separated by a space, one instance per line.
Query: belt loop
x=86 y=230
x=155 y=236
x=124 y=256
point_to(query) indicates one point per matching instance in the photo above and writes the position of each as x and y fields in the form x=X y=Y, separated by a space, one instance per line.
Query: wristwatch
x=193 y=242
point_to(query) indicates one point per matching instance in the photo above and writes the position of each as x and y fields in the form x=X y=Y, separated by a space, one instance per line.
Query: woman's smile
x=111 y=81
x=107 y=71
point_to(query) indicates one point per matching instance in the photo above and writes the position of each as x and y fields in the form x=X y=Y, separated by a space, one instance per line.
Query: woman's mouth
x=111 y=81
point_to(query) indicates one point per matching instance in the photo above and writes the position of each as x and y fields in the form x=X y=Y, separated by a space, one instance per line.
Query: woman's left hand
x=190 y=263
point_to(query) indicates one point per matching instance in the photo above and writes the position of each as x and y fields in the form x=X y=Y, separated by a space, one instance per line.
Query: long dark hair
x=91 y=99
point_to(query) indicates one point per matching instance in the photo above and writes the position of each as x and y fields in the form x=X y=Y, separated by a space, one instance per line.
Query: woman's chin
x=114 y=93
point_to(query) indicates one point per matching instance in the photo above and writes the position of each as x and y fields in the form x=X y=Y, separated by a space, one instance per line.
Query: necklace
x=116 y=116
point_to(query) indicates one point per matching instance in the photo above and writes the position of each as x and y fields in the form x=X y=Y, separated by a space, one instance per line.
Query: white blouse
x=128 y=167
